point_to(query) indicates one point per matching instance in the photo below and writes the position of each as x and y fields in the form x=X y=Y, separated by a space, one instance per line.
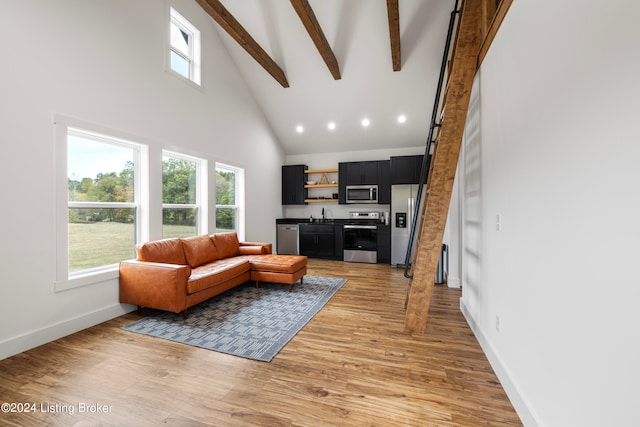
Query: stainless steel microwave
x=362 y=194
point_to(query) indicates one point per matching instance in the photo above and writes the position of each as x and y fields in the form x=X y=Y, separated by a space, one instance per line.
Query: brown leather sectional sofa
x=175 y=274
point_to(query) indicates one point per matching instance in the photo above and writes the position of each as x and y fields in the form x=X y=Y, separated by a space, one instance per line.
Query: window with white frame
x=184 y=47
x=229 y=199
x=182 y=195
x=102 y=202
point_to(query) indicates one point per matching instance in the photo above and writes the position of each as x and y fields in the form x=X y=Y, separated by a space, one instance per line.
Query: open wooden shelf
x=323 y=182
x=321 y=171
x=321 y=185
x=321 y=200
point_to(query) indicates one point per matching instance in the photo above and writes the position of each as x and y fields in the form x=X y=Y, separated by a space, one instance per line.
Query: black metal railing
x=424 y=171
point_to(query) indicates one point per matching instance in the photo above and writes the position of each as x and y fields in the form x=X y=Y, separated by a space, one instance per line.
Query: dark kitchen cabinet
x=384 y=244
x=293 y=180
x=384 y=182
x=317 y=240
x=362 y=173
x=342 y=183
x=338 y=246
x=406 y=169
x=376 y=172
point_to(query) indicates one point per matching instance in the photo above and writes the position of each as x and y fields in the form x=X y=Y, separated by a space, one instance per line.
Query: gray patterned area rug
x=245 y=321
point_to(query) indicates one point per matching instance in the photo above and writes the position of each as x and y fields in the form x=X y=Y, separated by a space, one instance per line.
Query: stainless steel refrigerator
x=403 y=204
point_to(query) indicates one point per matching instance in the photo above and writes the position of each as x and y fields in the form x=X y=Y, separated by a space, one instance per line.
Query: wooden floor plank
x=351 y=365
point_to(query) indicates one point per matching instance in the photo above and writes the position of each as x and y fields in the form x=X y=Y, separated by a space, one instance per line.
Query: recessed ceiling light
x=402 y=118
x=365 y=122
x=299 y=129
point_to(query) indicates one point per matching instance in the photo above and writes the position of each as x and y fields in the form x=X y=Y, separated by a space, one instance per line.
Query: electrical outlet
x=498 y=222
x=497 y=323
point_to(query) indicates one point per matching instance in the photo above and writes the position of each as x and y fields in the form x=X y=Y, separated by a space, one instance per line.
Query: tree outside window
x=179 y=196
x=228 y=198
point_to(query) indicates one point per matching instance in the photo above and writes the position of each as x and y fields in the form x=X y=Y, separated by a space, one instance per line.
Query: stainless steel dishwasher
x=287 y=241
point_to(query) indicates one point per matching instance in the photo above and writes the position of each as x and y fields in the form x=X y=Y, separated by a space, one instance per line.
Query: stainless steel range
x=361 y=237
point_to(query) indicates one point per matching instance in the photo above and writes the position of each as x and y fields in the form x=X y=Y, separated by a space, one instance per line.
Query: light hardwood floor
x=350 y=366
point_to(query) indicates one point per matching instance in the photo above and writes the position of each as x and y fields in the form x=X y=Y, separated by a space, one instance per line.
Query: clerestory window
x=184 y=50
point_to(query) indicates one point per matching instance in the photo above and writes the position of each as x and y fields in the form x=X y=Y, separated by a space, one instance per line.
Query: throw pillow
x=226 y=243
x=199 y=250
x=168 y=251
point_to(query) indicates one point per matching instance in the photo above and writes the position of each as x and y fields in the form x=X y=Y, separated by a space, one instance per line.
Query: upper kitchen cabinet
x=406 y=169
x=342 y=183
x=384 y=182
x=293 y=185
x=361 y=173
x=376 y=172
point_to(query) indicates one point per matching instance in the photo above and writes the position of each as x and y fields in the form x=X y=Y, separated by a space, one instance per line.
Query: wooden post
x=443 y=166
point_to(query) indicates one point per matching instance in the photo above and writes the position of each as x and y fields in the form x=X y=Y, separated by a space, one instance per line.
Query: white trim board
x=38 y=337
x=518 y=400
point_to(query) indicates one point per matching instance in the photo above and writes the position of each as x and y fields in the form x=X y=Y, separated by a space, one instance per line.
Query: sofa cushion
x=216 y=272
x=278 y=263
x=199 y=250
x=168 y=251
x=227 y=244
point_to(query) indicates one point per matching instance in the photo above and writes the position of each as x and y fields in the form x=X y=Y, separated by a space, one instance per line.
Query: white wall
x=552 y=147
x=103 y=62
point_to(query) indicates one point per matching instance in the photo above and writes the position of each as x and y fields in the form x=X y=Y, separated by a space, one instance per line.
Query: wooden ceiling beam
x=492 y=29
x=308 y=18
x=394 y=33
x=222 y=16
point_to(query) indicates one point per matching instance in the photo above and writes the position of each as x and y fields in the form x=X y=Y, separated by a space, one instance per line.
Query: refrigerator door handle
x=410 y=207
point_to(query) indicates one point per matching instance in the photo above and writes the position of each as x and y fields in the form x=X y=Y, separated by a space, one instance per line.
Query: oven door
x=360 y=243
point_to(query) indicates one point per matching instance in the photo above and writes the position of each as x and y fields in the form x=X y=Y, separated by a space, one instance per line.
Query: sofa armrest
x=254 y=248
x=154 y=285
x=250 y=250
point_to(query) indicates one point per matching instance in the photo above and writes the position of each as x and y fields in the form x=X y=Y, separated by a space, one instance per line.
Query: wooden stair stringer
x=444 y=163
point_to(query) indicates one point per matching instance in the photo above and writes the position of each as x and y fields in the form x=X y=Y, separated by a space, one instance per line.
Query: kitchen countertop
x=337 y=221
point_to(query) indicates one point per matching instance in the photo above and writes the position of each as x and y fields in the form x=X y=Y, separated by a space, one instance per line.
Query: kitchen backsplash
x=332 y=210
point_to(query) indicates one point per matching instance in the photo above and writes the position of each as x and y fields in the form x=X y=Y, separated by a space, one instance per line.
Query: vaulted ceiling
x=309 y=63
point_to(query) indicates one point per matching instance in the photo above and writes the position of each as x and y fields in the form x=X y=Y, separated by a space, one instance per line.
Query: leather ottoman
x=278 y=269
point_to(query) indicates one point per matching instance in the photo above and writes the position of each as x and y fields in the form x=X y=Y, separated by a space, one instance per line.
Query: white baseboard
x=519 y=402
x=61 y=329
x=453 y=282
